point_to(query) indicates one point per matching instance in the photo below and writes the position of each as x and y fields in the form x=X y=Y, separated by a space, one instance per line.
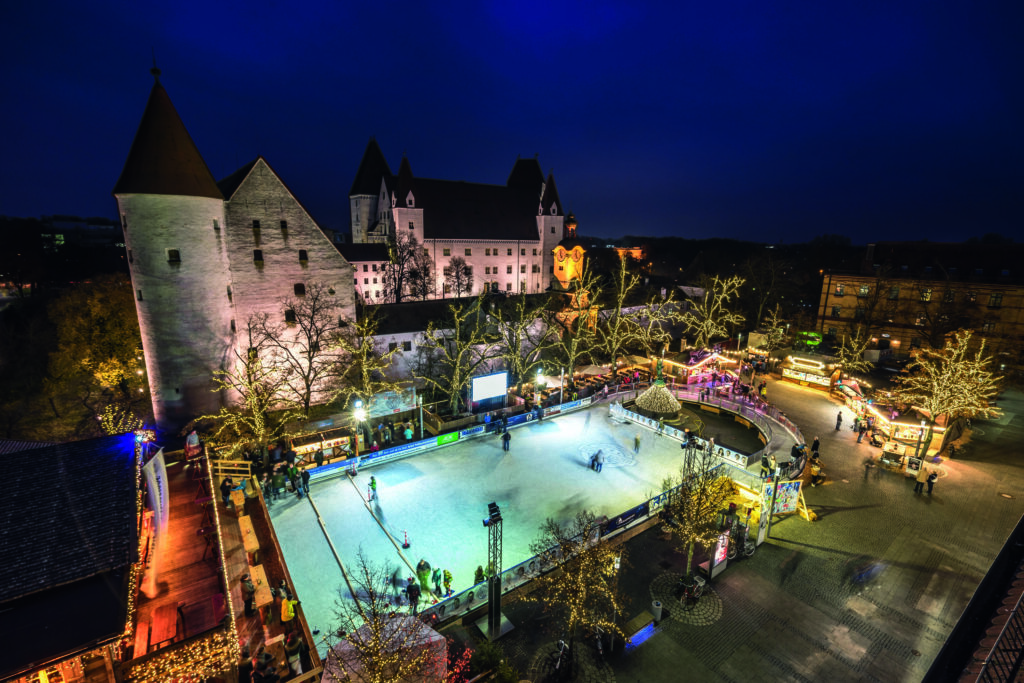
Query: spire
x=404 y=184
x=372 y=168
x=550 y=197
x=163 y=159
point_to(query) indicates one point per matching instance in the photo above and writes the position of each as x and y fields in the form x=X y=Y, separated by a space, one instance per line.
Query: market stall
x=335 y=443
x=806 y=372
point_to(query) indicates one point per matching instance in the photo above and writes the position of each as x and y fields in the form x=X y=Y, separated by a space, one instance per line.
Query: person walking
x=636 y=443
x=922 y=477
x=373 y=489
x=839 y=420
x=931 y=481
x=815 y=445
x=505 y=439
x=765 y=467
x=413 y=591
x=598 y=460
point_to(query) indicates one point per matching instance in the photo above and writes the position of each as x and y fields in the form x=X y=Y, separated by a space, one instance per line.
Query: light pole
x=419 y=402
x=920 y=435
x=358 y=414
x=561 y=387
x=536 y=387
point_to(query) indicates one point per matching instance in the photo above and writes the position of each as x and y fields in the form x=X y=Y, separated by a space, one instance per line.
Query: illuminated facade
x=907 y=296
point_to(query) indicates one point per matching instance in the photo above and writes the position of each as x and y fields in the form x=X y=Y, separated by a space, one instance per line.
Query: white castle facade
x=205 y=255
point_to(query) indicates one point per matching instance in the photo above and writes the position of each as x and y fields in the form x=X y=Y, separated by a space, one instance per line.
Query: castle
x=205 y=255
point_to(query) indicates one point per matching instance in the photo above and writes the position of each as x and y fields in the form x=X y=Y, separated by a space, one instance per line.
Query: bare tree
x=458 y=277
x=582 y=585
x=307 y=345
x=372 y=642
x=710 y=317
x=698 y=494
x=461 y=346
x=404 y=254
x=421 y=276
x=523 y=336
x=952 y=382
x=256 y=384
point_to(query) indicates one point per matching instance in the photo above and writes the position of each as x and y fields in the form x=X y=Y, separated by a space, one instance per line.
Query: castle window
x=173 y=256
x=446 y=251
x=289 y=315
x=534 y=252
x=366 y=268
x=284 y=225
x=366 y=280
x=469 y=252
x=508 y=270
x=303 y=255
x=412 y=225
x=410 y=201
x=522 y=268
x=300 y=289
x=508 y=286
x=216 y=224
x=232 y=324
x=552 y=227
x=509 y=252
x=522 y=252
x=554 y=212
x=138 y=294
x=255 y=225
x=257 y=256
x=392 y=346
x=130 y=259
x=229 y=292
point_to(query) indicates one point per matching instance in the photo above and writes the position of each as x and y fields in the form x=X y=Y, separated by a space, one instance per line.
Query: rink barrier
x=441 y=440
x=474 y=597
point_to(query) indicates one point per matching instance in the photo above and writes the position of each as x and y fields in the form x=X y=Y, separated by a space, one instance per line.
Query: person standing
x=293 y=647
x=435 y=578
x=319 y=457
x=447 y=582
x=413 y=591
x=773 y=466
x=766 y=470
x=931 y=481
x=839 y=420
x=598 y=460
x=815 y=445
x=505 y=439
x=423 y=575
x=373 y=489
x=288 y=619
x=863 y=427
x=249 y=593
x=636 y=443
x=922 y=477
x=661 y=425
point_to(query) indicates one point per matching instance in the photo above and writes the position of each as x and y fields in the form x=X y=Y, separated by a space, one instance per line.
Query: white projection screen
x=489 y=386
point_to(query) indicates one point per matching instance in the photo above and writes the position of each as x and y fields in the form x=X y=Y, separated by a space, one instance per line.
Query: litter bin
x=656 y=611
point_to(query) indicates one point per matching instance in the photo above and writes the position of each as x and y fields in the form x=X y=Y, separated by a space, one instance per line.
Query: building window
x=508 y=270
x=522 y=252
x=894 y=293
x=229 y=293
x=552 y=227
x=469 y=252
x=522 y=285
x=374 y=280
x=858 y=313
x=920 y=320
x=232 y=324
x=840 y=289
x=972 y=297
x=469 y=271
x=356 y=281
x=949 y=297
x=289 y=315
x=926 y=294
x=863 y=290
x=836 y=311
x=487 y=270
x=257 y=256
x=130 y=259
x=412 y=225
x=447 y=288
x=407 y=346
x=216 y=224
x=375 y=267
x=988 y=326
x=522 y=269
x=300 y=289
x=366 y=280
x=509 y=252
x=392 y=346
x=376 y=294
x=552 y=269
x=995 y=300
x=173 y=256
x=915 y=342
x=832 y=332
x=138 y=294
x=536 y=268
x=446 y=251
x=303 y=255
x=487 y=252
x=534 y=252
x=366 y=268
x=255 y=225
x=447 y=271
x=284 y=226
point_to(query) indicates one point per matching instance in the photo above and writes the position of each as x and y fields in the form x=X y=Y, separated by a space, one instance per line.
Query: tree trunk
x=689 y=559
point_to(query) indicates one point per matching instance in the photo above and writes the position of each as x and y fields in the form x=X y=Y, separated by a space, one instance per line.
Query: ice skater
x=436 y=578
x=447 y=583
x=505 y=439
x=598 y=461
x=636 y=443
x=371 y=493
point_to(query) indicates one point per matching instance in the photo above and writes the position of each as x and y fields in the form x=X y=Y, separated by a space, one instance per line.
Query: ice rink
x=440 y=498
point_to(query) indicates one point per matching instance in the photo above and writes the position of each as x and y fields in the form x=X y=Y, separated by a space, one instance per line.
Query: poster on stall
x=155 y=472
x=786 y=498
x=914 y=466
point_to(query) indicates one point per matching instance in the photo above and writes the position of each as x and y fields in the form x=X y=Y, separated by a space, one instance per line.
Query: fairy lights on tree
x=951 y=382
x=710 y=317
x=850 y=353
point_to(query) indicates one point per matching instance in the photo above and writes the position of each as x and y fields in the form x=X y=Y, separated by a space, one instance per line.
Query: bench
x=637 y=623
x=219 y=609
x=141 y=639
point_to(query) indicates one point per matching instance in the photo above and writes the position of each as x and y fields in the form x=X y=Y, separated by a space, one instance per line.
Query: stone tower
x=369 y=204
x=172 y=213
x=550 y=223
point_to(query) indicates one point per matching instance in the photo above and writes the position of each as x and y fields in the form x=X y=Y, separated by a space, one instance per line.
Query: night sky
x=753 y=120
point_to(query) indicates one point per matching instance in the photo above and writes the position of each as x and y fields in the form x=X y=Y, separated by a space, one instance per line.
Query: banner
x=391 y=402
x=787 y=496
x=155 y=472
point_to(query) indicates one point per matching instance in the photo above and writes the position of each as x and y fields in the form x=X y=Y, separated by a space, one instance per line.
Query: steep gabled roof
x=163 y=159
x=228 y=186
x=455 y=210
x=371 y=169
x=362 y=252
x=526 y=174
x=404 y=183
x=550 y=197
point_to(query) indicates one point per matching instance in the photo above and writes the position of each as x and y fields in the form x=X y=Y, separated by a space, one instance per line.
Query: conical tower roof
x=163 y=159
x=526 y=174
x=551 y=196
x=372 y=168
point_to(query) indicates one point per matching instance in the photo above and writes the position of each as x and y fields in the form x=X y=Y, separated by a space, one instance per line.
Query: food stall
x=335 y=443
x=701 y=368
x=806 y=372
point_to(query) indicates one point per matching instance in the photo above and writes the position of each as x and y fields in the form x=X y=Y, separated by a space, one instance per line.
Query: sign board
x=451 y=437
x=490 y=386
x=787 y=496
x=391 y=402
x=914 y=466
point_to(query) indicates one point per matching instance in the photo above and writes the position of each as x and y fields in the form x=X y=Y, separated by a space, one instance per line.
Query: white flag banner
x=155 y=472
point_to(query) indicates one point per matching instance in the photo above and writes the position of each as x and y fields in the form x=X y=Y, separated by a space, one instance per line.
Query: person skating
x=423 y=575
x=636 y=443
x=816 y=475
x=373 y=488
x=598 y=461
x=447 y=583
x=922 y=477
x=815 y=445
x=505 y=439
x=304 y=475
x=413 y=591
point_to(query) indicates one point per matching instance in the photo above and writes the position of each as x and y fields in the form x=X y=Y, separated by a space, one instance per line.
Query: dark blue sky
x=753 y=120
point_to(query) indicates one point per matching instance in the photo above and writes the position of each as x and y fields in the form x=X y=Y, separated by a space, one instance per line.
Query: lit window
x=995 y=300
x=926 y=294
x=988 y=326
x=894 y=292
x=837 y=311
x=469 y=252
x=840 y=290
x=863 y=290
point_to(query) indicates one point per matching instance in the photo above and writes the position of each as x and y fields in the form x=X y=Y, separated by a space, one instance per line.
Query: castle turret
x=365 y=203
x=172 y=213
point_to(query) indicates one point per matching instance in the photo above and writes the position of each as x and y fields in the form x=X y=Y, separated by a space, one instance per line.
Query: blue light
x=640 y=637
